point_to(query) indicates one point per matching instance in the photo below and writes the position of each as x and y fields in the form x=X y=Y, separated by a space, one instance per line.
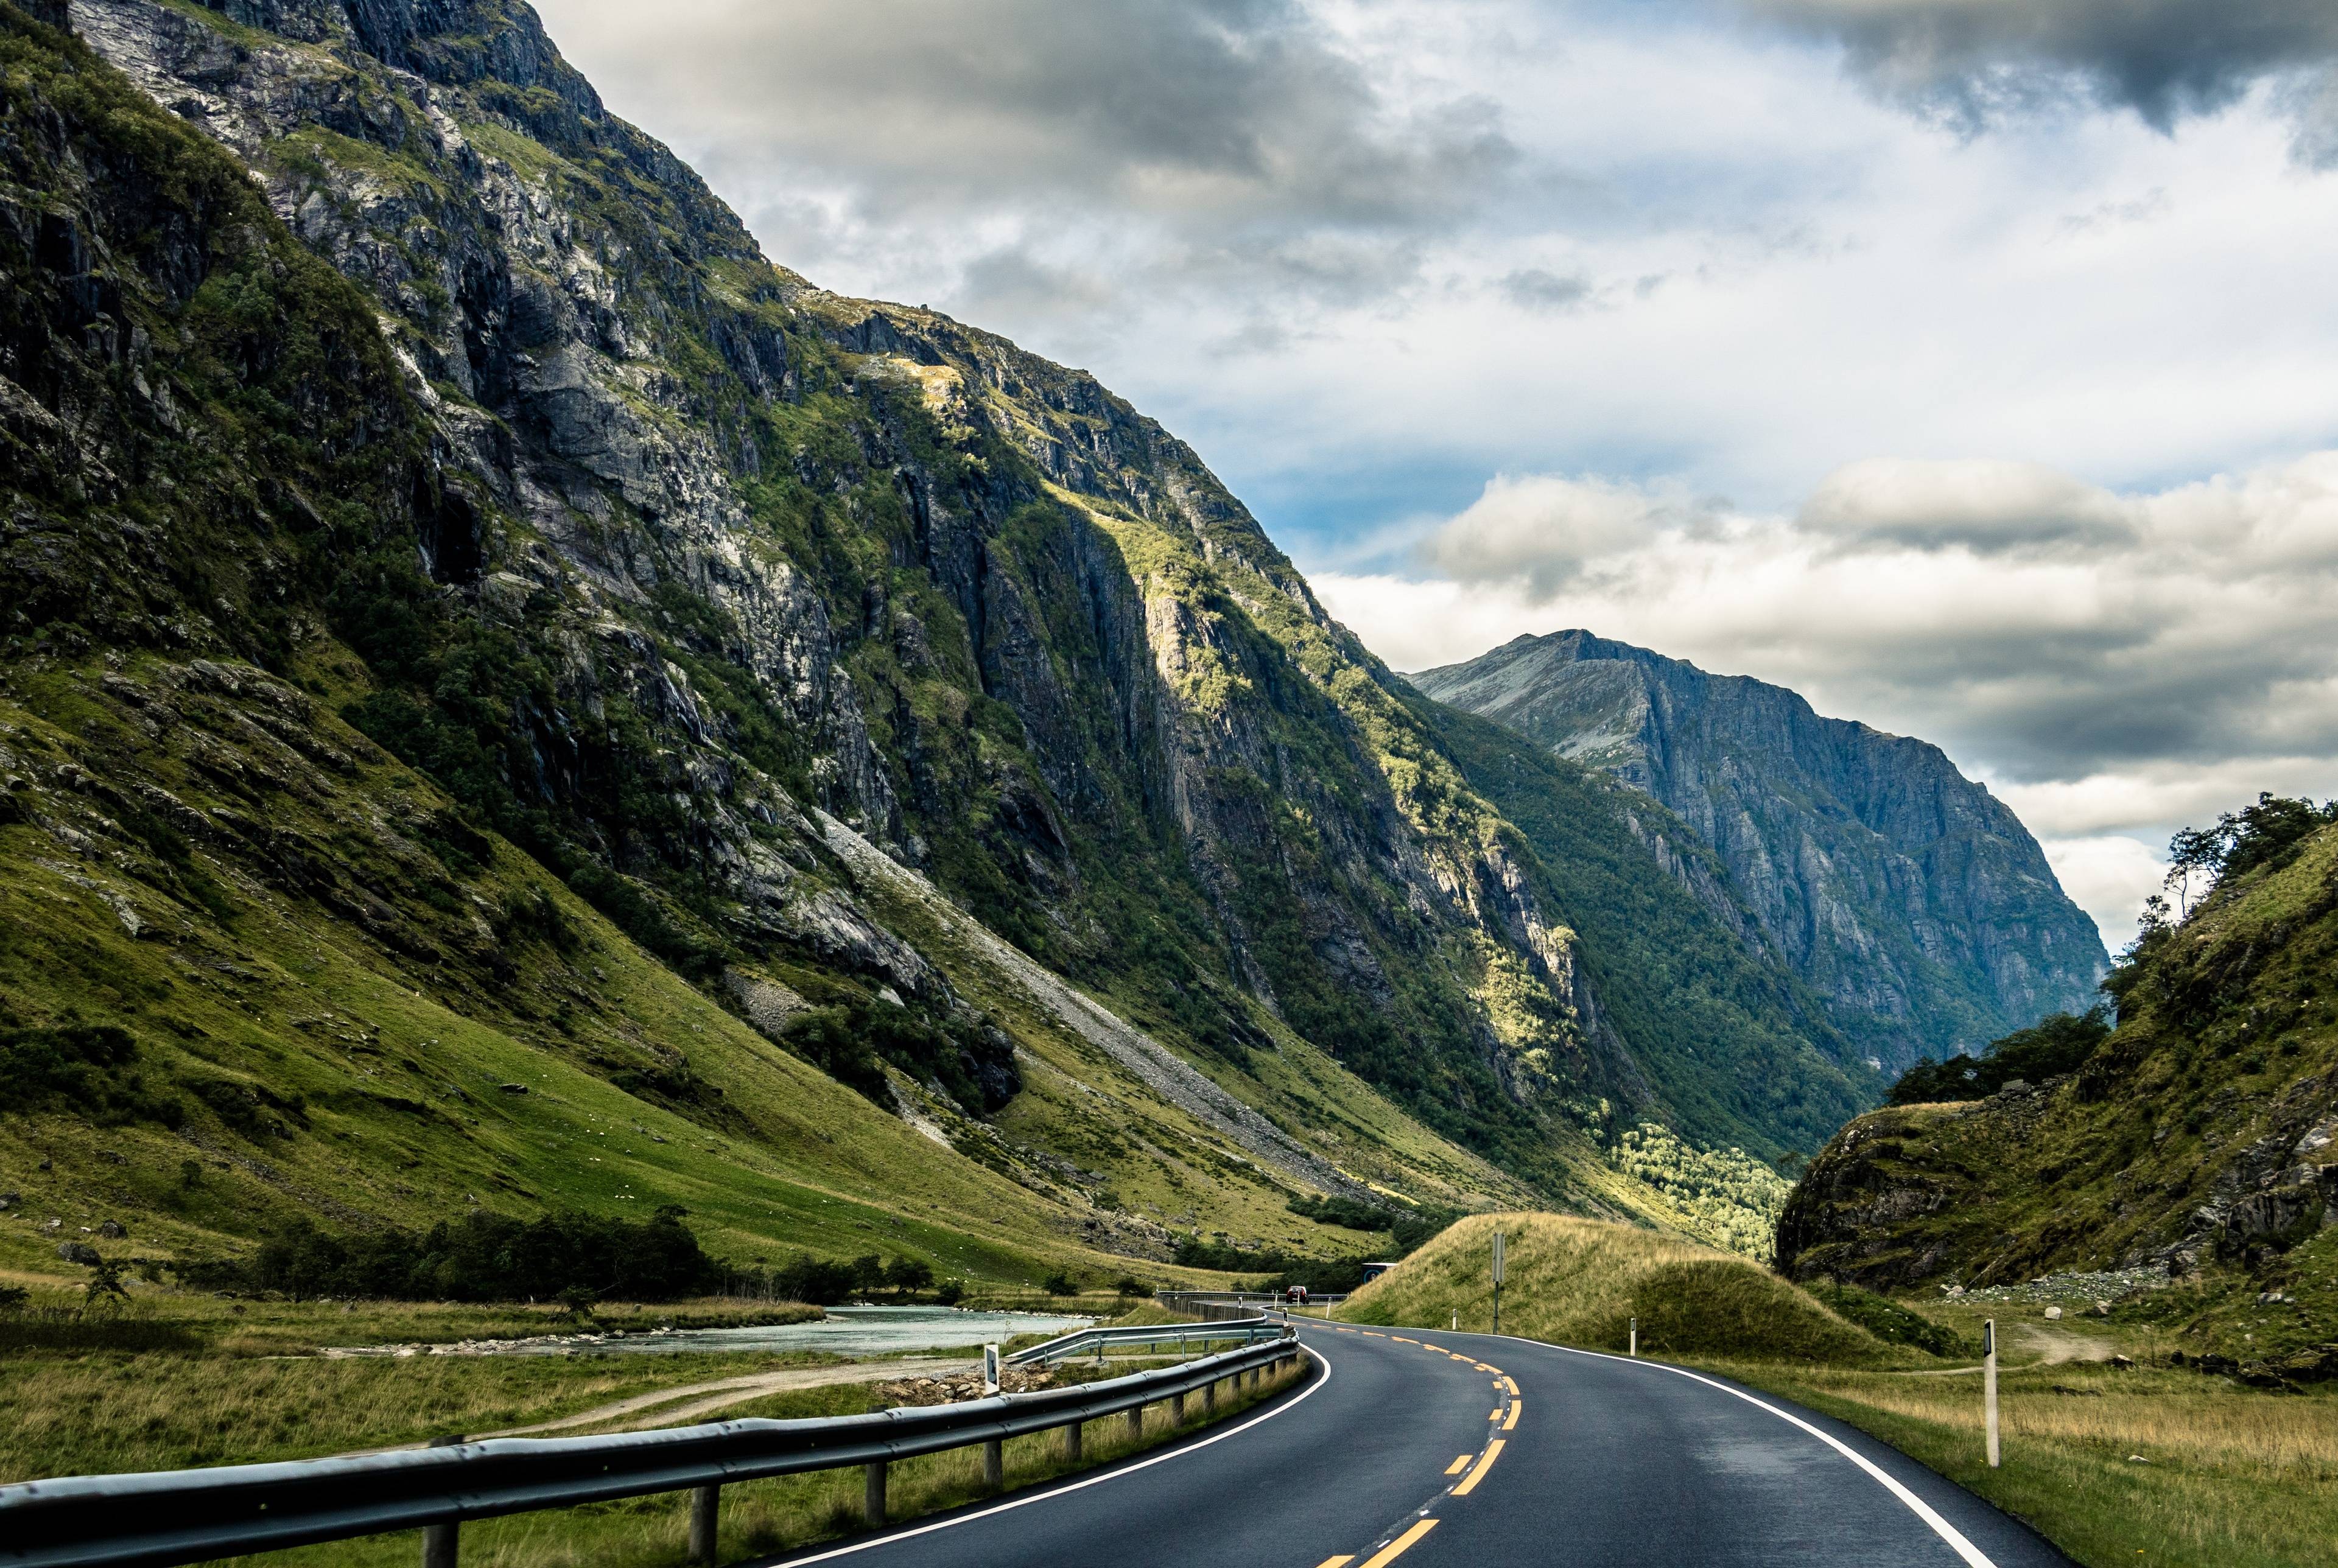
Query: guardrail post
x=1137 y=1421
x=706 y=1503
x=1210 y=1397
x=994 y=1464
x=872 y=1495
x=1072 y=1444
x=440 y=1542
x=1176 y=1409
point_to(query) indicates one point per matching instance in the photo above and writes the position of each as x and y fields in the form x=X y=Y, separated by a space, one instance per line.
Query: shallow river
x=845 y=1331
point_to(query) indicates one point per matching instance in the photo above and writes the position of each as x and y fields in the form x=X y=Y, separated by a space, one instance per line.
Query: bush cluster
x=482 y=1257
x=2047 y=1049
x=88 y=1070
x=973 y=1061
x=1733 y=1201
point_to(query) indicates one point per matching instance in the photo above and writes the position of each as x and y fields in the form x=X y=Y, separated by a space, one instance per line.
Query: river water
x=852 y=1331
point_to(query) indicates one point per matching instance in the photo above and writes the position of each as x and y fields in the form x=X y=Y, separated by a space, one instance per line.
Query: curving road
x=1447 y=1450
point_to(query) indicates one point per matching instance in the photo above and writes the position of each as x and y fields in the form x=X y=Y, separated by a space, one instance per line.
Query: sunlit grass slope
x=1581 y=1281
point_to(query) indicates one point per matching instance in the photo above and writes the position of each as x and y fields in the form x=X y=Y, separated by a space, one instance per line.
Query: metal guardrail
x=1063 y=1347
x=175 y=1516
x=1219 y=1303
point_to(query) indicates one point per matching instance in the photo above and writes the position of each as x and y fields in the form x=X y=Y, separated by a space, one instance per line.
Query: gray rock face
x=1913 y=901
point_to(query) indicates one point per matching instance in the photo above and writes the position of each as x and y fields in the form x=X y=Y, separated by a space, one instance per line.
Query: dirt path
x=2053 y=1346
x=664 y=1406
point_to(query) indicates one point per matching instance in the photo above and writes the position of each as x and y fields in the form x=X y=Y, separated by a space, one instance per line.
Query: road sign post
x=1988 y=1386
x=1498 y=1281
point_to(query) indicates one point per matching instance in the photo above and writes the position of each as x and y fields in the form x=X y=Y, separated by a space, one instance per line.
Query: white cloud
x=1988 y=506
x=1542 y=530
x=2108 y=877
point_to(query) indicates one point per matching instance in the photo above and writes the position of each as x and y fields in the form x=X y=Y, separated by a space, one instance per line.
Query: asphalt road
x=1592 y=1462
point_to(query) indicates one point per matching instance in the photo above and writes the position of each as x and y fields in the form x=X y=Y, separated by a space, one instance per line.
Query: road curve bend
x=1479 y=1451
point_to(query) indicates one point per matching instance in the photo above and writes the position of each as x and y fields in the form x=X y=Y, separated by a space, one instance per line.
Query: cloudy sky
x=1966 y=365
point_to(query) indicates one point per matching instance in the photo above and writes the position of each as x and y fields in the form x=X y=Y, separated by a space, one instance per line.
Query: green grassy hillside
x=2196 y=1141
x=1582 y=1281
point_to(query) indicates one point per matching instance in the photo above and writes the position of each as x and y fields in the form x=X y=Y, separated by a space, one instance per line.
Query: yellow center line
x=1369 y=1335
x=1483 y=1367
x=1469 y=1482
x=1397 y=1547
x=1458 y=1465
x=1337 y=1562
x=1402 y=1340
x=1512 y=1385
x=1516 y=1406
x=1496 y=1415
x=1440 y=1349
x=1457 y=1357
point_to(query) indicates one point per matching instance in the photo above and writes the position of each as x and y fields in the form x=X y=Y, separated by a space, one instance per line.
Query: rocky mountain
x=1903 y=894
x=2197 y=1144
x=495 y=667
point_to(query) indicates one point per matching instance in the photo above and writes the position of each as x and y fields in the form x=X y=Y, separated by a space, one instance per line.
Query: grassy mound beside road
x=1582 y=1281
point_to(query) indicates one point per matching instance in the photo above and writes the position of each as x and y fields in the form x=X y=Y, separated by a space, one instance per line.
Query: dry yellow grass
x=2162 y=1467
x=98 y=1414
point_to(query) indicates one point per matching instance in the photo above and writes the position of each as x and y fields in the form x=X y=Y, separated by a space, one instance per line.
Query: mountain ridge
x=1907 y=897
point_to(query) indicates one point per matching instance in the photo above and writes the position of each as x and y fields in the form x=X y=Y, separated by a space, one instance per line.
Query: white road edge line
x=1973 y=1555
x=1179 y=1452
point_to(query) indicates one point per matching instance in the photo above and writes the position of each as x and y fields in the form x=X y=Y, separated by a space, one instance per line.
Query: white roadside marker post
x=1498 y=1283
x=994 y=1452
x=1635 y=1340
x=1988 y=1385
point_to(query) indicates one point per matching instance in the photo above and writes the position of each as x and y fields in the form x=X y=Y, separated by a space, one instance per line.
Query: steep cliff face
x=1911 y=900
x=2199 y=1140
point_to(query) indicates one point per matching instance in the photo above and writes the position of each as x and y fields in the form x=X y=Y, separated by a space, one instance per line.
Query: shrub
x=483 y=1258
x=87 y=1070
x=972 y=1061
x=2047 y=1049
x=1887 y=1320
x=1059 y=1284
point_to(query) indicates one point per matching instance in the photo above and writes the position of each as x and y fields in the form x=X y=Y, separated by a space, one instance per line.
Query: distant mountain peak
x=1907 y=895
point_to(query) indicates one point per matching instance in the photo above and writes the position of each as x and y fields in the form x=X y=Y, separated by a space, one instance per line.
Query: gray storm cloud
x=1237 y=131
x=2009 y=610
x=2165 y=59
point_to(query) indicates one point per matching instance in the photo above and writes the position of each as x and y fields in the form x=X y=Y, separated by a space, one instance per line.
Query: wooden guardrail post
x=706 y=1511
x=1176 y=1409
x=1072 y=1443
x=994 y=1464
x=1137 y=1421
x=441 y=1543
x=872 y=1495
x=1210 y=1397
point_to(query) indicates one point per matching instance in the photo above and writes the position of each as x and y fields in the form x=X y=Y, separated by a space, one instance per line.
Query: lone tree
x=909 y=1275
x=104 y=1291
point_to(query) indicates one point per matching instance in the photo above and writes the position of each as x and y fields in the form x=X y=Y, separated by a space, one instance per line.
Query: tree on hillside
x=2263 y=833
x=2046 y=1048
